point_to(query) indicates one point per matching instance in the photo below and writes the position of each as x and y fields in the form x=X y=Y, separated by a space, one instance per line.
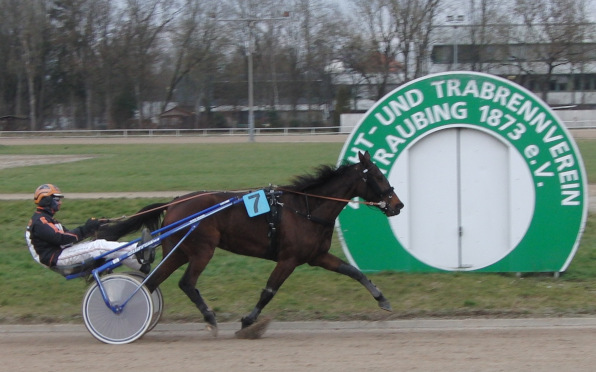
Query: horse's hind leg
x=195 y=296
x=333 y=263
x=165 y=269
x=356 y=274
x=187 y=283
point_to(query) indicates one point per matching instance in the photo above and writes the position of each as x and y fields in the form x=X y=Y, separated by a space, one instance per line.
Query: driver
x=52 y=244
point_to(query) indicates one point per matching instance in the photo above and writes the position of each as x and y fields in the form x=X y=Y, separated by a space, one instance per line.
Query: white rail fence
x=176 y=132
x=583 y=124
x=107 y=133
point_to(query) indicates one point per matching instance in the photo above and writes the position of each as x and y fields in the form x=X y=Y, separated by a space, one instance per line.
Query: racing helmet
x=46 y=190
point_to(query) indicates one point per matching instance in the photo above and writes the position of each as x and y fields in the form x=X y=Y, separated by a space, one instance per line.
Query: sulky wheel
x=157 y=300
x=127 y=324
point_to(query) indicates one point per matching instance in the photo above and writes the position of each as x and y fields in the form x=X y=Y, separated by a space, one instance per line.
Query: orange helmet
x=46 y=190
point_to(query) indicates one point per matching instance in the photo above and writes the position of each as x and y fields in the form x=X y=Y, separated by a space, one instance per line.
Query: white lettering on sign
x=397 y=106
x=512 y=116
x=507 y=112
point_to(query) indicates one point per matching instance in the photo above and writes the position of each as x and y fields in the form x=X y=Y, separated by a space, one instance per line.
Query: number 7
x=255 y=196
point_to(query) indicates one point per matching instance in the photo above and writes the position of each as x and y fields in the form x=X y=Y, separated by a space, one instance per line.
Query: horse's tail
x=149 y=216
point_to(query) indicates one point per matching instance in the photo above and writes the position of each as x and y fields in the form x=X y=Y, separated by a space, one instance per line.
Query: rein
x=332 y=198
x=177 y=200
x=381 y=204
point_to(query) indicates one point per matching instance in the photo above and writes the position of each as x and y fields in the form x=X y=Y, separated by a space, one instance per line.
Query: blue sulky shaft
x=191 y=221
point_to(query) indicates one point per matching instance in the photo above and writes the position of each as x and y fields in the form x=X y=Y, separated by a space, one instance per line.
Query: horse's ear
x=364 y=156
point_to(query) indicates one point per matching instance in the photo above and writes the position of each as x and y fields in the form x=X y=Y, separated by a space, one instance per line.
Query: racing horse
x=297 y=230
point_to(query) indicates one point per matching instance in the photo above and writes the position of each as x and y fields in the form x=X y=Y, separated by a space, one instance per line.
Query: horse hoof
x=385 y=305
x=211 y=328
x=247 y=322
x=255 y=330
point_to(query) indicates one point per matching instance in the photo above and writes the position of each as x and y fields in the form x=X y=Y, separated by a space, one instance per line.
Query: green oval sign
x=491 y=179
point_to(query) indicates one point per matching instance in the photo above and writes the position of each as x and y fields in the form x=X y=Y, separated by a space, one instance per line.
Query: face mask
x=51 y=204
x=55 y=204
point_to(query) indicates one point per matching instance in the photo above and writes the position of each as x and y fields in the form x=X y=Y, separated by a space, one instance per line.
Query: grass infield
x=231 y=284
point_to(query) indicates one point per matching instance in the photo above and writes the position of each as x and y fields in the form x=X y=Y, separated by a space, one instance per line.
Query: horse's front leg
x=282 y=271
x=333 y=263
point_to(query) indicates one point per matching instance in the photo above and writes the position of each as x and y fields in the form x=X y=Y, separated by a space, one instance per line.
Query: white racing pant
x=83 y=251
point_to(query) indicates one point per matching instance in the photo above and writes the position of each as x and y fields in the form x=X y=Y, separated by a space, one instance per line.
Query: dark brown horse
x=298 y=230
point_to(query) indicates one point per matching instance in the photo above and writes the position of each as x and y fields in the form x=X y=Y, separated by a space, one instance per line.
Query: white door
x=466 y=196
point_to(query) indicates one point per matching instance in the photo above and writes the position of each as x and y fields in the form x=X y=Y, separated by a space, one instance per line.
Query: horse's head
x=378 y=189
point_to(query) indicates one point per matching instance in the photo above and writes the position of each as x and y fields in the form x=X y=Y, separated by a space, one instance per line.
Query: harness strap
x=306 y=215
x=312 y=218
x=273 y=220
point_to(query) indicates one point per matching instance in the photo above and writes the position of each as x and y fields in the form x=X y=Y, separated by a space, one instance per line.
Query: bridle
x=388 y=193
x=383 y=205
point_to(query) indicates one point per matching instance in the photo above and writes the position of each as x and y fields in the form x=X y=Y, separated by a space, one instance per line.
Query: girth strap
x=273 y=220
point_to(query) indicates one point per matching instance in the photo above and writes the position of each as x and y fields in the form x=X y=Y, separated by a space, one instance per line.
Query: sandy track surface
x=409 y=345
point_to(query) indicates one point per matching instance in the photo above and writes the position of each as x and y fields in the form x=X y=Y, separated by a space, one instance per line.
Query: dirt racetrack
x=408 y=345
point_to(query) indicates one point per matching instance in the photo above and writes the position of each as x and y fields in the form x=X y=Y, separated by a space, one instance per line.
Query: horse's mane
x=322 y=175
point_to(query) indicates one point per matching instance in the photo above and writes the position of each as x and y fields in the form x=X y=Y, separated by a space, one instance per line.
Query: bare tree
x=374 y=52
x=108 y=58
x=487 y=25
x=103 y=60
x=393 y=45
x=31 y=27
x=77 y=24
x=319 y=27
x=290 y=45
x=143 y=26
x=415 y=22
x=11 y=68
x=195 y=41
x=553 y=28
